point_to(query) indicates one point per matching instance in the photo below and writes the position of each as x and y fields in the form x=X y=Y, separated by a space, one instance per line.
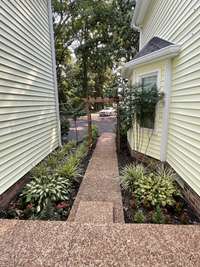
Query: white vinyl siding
x=28 y=107
x=179 y=22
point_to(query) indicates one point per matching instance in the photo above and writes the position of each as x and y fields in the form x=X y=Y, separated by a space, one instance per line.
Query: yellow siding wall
x=149 y=141
x=179 y=22
x=28 y=117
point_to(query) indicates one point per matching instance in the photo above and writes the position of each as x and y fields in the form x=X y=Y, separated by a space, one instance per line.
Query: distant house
x=170 y=57
x=29 y=114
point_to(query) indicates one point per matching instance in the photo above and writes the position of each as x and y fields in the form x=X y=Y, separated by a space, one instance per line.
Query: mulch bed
x=181 y=213
x=17 y=209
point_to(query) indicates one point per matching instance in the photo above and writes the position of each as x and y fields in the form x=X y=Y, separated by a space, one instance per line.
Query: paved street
x=104 y=124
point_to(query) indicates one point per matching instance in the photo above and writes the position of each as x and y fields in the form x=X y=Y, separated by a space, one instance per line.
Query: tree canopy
x=92 y=39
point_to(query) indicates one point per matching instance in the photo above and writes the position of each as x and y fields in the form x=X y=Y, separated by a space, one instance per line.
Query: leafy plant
x=46 y=189
x=130 y=174
x=61 y=153
x=95 y=132
x=81 y=151
x=52 y=161
x=158 y=216
x=70 y=169
x=139 y=217
x=156 y=188
x=39 y=170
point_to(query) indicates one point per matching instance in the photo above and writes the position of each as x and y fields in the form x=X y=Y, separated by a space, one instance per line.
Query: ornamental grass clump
x=130 y=175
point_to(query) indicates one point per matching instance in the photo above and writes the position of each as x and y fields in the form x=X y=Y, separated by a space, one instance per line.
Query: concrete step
x=95 y=212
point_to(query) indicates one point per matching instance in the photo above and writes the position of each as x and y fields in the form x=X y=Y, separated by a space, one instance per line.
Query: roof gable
x=153 y=45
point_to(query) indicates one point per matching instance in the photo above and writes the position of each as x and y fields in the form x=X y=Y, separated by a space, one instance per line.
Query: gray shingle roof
x=153 y=45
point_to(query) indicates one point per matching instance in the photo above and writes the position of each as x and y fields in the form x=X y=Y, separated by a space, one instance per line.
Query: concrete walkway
x=99 y=197
x=95 y=234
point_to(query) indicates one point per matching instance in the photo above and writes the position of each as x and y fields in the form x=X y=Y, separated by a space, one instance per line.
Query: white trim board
x=54 y=69
x=165 y=121
x=162 y=54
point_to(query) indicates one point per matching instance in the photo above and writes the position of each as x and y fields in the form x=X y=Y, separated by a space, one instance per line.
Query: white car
x=107 y=112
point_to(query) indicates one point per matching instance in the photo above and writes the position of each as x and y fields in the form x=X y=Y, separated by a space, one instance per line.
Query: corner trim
x=53 y=54
x=165 y=121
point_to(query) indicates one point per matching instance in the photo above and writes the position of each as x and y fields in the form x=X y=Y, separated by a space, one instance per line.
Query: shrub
x=158 y=216
x=46 y=189
x=139 y=217
x=130 y=174
x=156 y=189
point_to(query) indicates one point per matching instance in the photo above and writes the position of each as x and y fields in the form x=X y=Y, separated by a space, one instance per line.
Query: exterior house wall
x=179 y=22
x=28 y=98
x=149 y=140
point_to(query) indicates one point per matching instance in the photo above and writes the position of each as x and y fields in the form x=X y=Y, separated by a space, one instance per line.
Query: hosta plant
x=46 y=189
x=156 y=189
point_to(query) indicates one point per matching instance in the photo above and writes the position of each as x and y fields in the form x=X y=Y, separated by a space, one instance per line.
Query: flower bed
x=53 y=184
x=151 y=195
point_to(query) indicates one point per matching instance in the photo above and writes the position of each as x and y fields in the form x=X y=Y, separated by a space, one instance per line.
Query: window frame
x=139 y=76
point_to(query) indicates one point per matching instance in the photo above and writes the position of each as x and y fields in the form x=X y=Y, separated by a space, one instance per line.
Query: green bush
x=158 y=216
x=46 y=189
x=156 y=189
x=130 y=174
x=139 y=217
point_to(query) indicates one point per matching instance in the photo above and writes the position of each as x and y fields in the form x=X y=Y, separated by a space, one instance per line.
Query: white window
x=148 y=117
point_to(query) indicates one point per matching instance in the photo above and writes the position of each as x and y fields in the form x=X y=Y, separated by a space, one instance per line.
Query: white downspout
x=54 y=69
x=165 y=122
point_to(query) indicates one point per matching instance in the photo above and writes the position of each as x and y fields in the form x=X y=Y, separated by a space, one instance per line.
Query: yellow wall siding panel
x=179 y=22
x=28 y=107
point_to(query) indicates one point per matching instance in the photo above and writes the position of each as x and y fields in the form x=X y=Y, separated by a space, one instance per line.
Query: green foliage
x=95 y=132
x=39 y=170
x=65 y=124
x=66 y=149
x=139 y=217
x=70 y=169
x=158 y=216
x=46 y=189
x=102 y=37
x=130 y=175
x=52 y=161
x=136 y=104
x=82 y=151
x=156 y=188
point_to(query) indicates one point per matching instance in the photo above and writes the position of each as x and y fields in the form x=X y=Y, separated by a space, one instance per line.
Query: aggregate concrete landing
x=94 y=212
x=100 y=182
x=61 y=244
